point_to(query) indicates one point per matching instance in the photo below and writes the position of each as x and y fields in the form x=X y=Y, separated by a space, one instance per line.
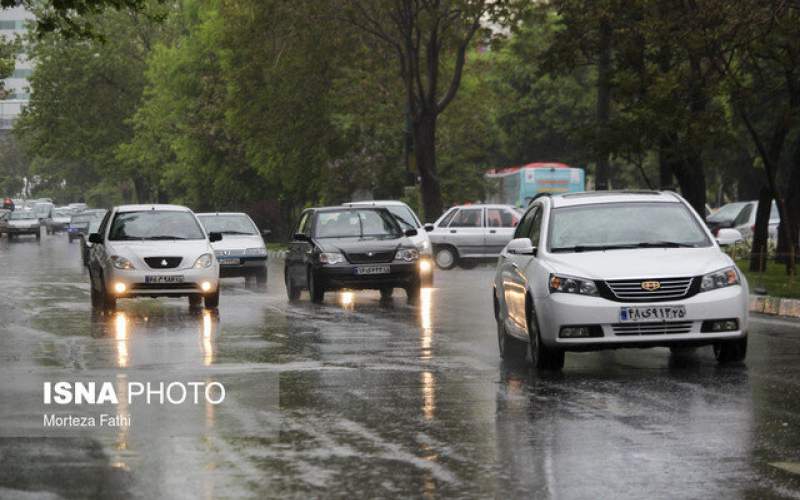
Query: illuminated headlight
x=256 y=252
x=719 y=279
x=203 y=261
x=120 y=287
x=121 y=263
x=570 y=284
x=407 y=254
x=425 y=266
x=331 y=258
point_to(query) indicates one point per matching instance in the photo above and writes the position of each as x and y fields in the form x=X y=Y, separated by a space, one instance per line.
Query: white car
x=602 y=270
x=741 y=215
x=408 y=220
x=242 y=253
x=467 y=233
x=152 y=251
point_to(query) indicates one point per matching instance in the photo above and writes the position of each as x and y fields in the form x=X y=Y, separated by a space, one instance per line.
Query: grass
x=276 y=246
x=774 y=280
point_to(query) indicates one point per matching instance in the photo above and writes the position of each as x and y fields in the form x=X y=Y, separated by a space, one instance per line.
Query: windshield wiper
x=164 y=237
x=664 y=244
x=590 y=248
x=236 y=232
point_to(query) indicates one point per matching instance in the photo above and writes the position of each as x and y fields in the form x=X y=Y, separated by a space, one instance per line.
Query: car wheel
x=292 y=291
x=412 y=292
x=261 y=277
x=195 y=300
x=97 y=300
x=212 y=300
x=679 y=350
x=511 y=349
x=315 y=288
x=39 y=235
x=109 y=301
x=541 y=356
x=446 y=257
x=386 y=293
x=467 y=263
x=731 y=351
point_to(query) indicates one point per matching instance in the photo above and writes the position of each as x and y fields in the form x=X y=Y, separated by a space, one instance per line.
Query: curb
x=775 y=305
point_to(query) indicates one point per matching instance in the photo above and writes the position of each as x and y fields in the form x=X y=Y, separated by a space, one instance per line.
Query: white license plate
x=230 y=262
x=164 y=278
x=648 y=314
x=362 y=270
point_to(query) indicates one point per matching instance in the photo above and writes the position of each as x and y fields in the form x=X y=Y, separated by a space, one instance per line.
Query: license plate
x=165 y=278
x=647 y=314
x=230 y=262
x=362 y=270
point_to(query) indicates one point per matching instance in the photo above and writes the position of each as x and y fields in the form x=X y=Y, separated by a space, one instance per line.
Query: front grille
x=163 y=262
x=375 y=258
x=632 y=290
x=665 y=328
x=163 y=286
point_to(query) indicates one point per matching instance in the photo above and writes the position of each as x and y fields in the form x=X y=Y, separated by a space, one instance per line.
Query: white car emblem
x=164 y=262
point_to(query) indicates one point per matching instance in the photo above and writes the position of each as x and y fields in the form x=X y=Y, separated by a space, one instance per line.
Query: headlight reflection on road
x=208 y=333
x=425 y=309
x=121 y=334
x=124 y=412
x=428 y=395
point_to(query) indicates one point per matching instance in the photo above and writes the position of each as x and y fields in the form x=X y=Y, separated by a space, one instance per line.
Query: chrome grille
x=670 y=289
x=665 y=328
x=371 y=257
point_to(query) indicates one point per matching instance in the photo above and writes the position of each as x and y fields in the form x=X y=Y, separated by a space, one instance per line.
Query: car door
x=501 y=223
x=465 y=231
x=97 y=253
x=515 y=272
x=299 y=249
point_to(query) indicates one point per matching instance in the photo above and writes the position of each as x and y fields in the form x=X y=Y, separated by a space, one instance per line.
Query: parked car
x=242 y=253
x=19 y=223
x=43 y=210
x=152 y=251
x=408 y=220
x=79 y=223
x=604 y=270
x=337 y=248
x=468 y=232
x=741 y=215
x=59 y=220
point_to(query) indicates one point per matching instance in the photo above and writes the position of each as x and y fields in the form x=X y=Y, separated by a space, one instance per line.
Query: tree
x=423 y=36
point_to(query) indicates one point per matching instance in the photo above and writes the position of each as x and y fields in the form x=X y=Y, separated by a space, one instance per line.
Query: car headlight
x=203 y=261
x=256 y=252
x=407 y=254
x=331 y=258
x=570 y=284
x=719 y=279
x=121 y=263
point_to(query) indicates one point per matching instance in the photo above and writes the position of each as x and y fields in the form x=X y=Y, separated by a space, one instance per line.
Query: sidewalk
x=775 y=305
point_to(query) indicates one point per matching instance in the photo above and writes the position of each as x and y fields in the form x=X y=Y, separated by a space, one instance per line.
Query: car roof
x=140 y=208
x=484 y=205
x=375 y=203
x=598 y=197
x=334 y=208
x=207 y=214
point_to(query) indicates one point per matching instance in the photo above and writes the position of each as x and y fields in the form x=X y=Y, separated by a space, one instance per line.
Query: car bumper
x=339 y=276
x=136 y=284
x=21 y=230
x=560 y=310
x=245 y=267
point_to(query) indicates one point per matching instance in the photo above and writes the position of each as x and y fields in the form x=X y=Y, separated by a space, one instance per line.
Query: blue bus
x=519 y=185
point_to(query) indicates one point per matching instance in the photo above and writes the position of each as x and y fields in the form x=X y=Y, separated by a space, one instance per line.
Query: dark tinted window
x=356 y=223
x=536 y=228
x=524 y=227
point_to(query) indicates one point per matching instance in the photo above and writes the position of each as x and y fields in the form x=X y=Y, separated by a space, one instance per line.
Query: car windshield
x=228 y=224
x=22 y=215
x=727 y=212
x=356 y=223
x=155 y=225
x=403 y=216
x=62 y=213
x=624 y=225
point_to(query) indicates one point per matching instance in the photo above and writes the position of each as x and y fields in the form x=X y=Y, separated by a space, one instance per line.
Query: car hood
x=639 y=263
x=137 y=251
x=23 y=222
x=361 y=244
x=238 y=242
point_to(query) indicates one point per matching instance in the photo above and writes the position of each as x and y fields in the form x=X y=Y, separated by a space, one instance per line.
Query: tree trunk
x=666 y=162
x=758 y=252
x=603 y=104
x=790 y=229
x=425 y=156
x=692 y=181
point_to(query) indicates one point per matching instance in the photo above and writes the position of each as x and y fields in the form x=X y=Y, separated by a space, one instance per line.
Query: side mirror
x=266 y=232
x=410 y=232
x=95 y=239
x=214 y=236
x=521 y=246
x=429 y=227
x=728 y=236
x=300 y=237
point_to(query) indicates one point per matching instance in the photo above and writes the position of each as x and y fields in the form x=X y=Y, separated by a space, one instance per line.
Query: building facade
x=14 y=23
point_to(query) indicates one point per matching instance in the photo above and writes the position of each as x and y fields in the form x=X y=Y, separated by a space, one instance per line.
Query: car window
x=356 y=223
x=536 y=227
x=155 y=225
x=467 y=217
x=303 y=225
x=228 y=224
x=104 y=224
x=501 y=217
x=524 y=227
x=404 y=216
x=727 y=212
x=744 y=215
x=447 y=218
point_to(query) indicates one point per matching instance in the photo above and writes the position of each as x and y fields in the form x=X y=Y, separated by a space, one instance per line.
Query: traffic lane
x=378 y=397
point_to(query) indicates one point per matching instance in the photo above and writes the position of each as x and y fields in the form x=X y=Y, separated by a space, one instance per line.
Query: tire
x=682 y=350
x=446 y=257
x=541 y=357
x=108 y=301
x=97 y=300
x=292 y=291
x=468 y=263
x=211 y=300
x=731 y=351
x=195 y=301
x=386 y=293
x=511 y=349
x=39 y=236
x=412 y=292
x=315 y=289
x=261 y=277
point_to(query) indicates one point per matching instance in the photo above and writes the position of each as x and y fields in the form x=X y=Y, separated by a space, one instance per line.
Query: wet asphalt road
x=362 y=398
